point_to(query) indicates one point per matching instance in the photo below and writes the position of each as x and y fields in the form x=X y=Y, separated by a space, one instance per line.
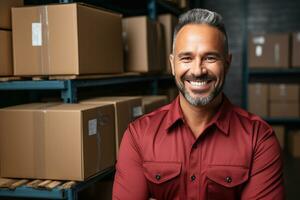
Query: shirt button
x=228 y=179
x=193 y=177
x=157 y=177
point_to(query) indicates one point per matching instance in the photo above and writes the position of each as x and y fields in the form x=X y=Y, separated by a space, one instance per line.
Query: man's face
x=199 y=63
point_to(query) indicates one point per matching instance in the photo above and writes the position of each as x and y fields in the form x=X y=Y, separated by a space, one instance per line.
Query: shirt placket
x=193 y=181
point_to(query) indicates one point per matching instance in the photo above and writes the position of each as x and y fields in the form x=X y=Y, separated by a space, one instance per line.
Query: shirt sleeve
x=266 y=174
x=129 y=182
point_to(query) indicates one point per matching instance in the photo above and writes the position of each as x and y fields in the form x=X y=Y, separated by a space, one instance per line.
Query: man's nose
x=199 y=67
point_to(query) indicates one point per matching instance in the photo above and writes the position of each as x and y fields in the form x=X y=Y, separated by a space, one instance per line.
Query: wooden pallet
x=10 y=78
x=36 y=184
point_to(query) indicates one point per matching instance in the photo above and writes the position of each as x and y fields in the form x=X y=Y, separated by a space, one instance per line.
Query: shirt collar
x=221 y=118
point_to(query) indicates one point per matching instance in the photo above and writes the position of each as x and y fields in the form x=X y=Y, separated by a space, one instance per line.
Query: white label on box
x=259 y=40
x=92 y=127
x=282 y=90
x=277 y=53
x=36 y=34
x=137 y=111
x=298 y=37
x=258 y=88
x=258 y=50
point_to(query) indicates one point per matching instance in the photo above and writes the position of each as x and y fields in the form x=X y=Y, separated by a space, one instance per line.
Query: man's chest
x=212 y=167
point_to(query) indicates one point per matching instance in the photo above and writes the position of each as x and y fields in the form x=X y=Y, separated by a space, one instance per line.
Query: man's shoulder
x=152 y=117
x=247 y=118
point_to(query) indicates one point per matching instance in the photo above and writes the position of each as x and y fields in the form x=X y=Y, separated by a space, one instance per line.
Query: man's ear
x=171 y=59
x=228 y=62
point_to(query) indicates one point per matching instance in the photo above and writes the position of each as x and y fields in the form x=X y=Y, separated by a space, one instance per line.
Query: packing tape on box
x=277 y=54
x=39 y=143
x=298 y=37
x=40 y=39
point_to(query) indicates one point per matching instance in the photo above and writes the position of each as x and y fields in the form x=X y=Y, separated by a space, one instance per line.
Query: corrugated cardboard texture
x=5 y=12
x=296 y=50
x=294 y=143
x=289 y=109
x=73 y=40
x=126 y=110
x=169 y=22
x=284 y=92
x=6 y=60
x=63 y=142
x=18 y=145
x=269 y=50
x=258 y=99
x=141 y=44
x=150 y=103
x=279 y=131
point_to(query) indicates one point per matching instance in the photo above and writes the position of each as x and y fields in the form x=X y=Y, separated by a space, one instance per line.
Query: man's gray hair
x=201 y=16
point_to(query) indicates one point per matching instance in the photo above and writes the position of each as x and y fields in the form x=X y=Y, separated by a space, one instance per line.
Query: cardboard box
x=296 y=50
x=269 y=50
x=6 y=60
x=126 y=110
x=140 y=38
x=294 y=143
x=60 y=142
x=258 y=99
x=161 y=46
x=169 y=22
x=289 y=109
x=284 y=92
x=151 y=103
x=5 y=12
x=66 y=39
x=279 y=132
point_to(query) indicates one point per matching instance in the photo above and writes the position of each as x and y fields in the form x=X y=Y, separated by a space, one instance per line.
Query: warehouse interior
x=264 y=39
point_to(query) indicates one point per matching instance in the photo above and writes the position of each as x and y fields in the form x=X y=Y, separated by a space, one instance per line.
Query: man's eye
x=210 y=59
x=186 y=59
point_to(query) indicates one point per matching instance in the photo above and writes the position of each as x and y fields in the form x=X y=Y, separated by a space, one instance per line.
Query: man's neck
x=197 y=117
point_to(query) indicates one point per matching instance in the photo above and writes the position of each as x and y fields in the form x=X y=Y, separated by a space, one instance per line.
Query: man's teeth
x=198 y=83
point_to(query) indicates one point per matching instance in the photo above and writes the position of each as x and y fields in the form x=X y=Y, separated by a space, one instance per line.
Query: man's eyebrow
x=185 y=53
x=212 y=53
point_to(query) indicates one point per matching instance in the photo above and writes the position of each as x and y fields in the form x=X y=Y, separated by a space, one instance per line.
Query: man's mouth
x=198 y=83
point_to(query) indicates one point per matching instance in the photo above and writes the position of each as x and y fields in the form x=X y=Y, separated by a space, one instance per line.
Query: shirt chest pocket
x=163 y=178
x=225 y=182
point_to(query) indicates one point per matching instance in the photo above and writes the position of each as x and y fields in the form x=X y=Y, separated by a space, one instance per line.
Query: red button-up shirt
x=236 y=157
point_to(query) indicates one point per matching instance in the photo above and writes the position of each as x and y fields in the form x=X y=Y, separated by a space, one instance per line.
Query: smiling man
x=200 y=146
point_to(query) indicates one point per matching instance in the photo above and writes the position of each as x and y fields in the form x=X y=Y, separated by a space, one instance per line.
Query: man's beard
x=199 y=101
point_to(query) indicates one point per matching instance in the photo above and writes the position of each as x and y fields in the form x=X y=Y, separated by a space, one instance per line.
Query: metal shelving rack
x=68 y=92
x=68 y=88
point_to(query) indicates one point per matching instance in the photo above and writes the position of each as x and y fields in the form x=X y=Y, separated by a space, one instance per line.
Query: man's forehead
x=198 y=29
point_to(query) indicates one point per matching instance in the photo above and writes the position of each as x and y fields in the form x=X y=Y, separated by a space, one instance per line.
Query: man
x=200 y=146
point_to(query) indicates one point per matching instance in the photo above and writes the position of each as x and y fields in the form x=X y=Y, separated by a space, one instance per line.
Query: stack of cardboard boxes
x=72 y=141
x=66 y=39
x=76 y=39
x=273 y=51
x=6 y=55
x=274 y=100
x=67 y=141
x=147 y=43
